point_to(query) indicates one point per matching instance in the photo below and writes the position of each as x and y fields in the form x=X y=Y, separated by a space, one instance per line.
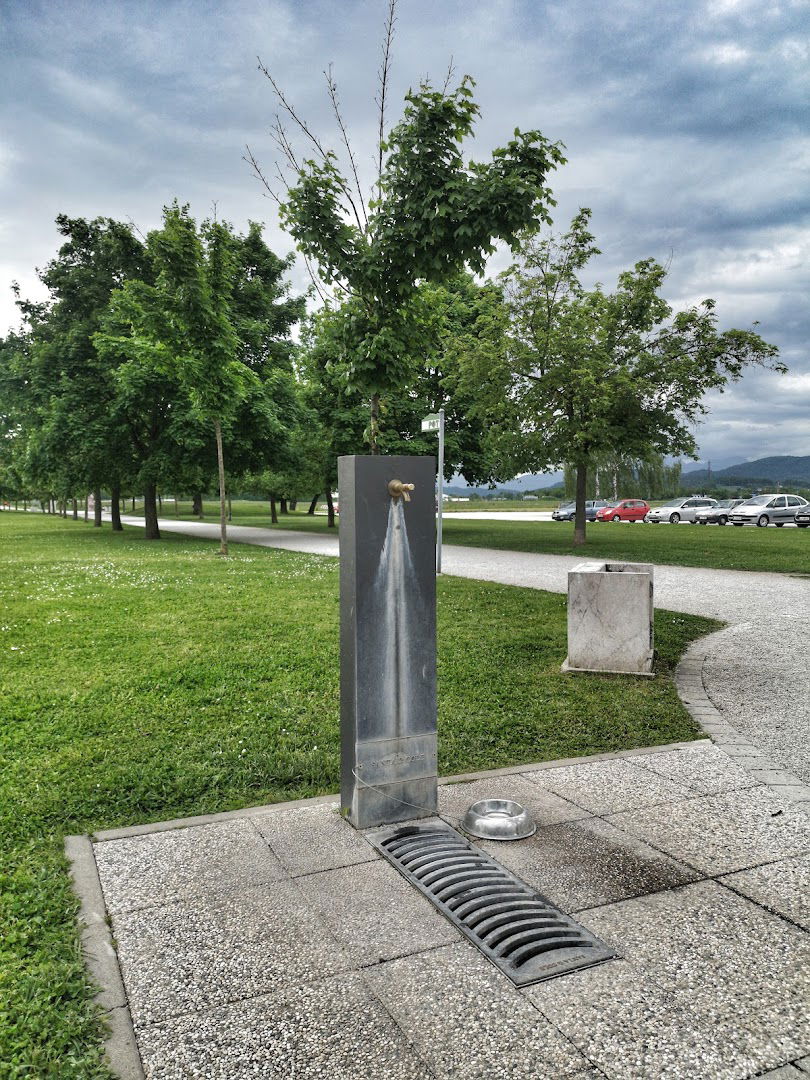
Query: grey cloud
x=683 y=124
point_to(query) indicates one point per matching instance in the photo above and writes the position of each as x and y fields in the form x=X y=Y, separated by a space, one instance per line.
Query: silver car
x=717 y=514
x=765 y=510
x=679 y=510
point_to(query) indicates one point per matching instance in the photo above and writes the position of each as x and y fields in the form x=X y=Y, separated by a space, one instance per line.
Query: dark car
x=568 y=511
x=717 y=514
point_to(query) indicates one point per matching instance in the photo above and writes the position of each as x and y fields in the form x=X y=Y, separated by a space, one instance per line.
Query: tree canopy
x=572 y=375
x=433 y=215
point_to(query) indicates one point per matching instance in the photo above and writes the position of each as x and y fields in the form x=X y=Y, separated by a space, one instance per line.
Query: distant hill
x=517 y=487
x=769 y=471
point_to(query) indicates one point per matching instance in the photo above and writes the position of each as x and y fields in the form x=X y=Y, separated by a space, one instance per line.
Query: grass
x=781 y=550
x=728 y=548
x=140 y=681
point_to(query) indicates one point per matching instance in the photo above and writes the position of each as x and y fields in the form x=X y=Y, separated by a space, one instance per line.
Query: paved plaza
x=275 y=942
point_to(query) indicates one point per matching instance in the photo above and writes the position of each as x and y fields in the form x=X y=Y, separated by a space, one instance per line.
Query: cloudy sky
x=687 y=129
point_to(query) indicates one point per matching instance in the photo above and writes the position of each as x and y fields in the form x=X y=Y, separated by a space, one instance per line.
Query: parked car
x=564 y=512
x=717 y=514
x=626 y=510
x=802 y=517
x=567 y=511
x=679 y=510
x=767 y=509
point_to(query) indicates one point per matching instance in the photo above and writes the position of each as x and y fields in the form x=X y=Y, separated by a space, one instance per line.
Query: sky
x=686 y=126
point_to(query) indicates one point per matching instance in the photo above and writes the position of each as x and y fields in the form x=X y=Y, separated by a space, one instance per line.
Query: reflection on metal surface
x=498 y=819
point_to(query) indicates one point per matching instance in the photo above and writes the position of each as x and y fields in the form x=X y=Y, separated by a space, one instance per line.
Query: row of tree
x=161 y=362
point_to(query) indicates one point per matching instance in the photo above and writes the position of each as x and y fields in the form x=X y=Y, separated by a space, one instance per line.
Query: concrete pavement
x=275 y=942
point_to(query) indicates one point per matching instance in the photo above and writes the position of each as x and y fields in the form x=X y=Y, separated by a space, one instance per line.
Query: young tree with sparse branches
x=431 y=215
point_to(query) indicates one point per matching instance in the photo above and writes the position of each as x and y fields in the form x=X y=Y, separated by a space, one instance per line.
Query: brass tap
x=397 y=488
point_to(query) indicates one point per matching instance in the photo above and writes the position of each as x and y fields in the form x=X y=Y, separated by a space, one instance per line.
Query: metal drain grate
x=520 y=931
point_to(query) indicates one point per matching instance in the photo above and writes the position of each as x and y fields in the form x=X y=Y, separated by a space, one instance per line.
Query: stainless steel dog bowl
x=498 y=819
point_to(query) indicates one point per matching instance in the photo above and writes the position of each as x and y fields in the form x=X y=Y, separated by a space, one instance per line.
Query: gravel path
x=756 y=672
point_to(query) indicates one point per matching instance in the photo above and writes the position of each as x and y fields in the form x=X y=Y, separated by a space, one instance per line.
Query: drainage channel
x=521 y=932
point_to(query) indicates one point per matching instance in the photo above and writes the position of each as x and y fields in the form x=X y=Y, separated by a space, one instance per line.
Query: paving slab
x=310 y=839
x=375 y=913
x=782 y=886
x=705 y=770
x=331 y=1030
x=469 y=1023
x=720 y=833
x=158 y=867
x=710 y=985
x=192 y=954
x=587 y=863
x=607 y=787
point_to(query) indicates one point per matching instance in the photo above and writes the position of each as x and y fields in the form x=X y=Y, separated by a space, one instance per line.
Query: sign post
x=435 y=422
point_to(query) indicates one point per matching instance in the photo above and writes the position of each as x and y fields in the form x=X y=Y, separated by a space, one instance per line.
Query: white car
x=765 y=510
x=679 y=510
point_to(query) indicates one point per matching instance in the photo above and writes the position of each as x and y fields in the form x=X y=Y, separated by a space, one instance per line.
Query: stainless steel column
x=387 y=639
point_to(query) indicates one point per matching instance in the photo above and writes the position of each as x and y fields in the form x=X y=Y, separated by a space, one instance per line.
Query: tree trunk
x=579 y=520
x=223 y=523
x=330 y=509
x=176 y=507
x=293 y=504
x=374 y=426
x=133 y=504
x=282 y=509
x=115 y=508
x=273 y=511
x=86 y=506
x=160 y=504
x=312 y=505
x=97 y=508
x=230 y=508
x=197 y=505
x=75 y=509
x=53 y=505
x=150 y=517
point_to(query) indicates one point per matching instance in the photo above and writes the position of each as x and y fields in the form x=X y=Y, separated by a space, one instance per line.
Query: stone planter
x=610 y=618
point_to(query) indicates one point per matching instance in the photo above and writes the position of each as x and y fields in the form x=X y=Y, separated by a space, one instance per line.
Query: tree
x=583 y=375
x=73 y=439
x=181 y=325
x=433 y=215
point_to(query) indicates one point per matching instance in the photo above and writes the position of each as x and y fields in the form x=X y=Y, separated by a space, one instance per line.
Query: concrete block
x=610 y=618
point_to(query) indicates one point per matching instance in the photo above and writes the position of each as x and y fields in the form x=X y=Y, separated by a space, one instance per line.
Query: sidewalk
x=275 y=942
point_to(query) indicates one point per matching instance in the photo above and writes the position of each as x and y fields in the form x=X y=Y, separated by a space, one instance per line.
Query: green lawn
x=729 y=548
x=140 y=681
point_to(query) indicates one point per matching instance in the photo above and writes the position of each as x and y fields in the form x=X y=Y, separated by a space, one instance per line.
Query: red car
x=626 y=510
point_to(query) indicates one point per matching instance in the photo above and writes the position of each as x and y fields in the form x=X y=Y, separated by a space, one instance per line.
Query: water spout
x=395 y=586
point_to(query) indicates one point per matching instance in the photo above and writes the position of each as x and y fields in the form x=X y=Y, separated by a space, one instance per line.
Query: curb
x=101 y=960
x=692 y=692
